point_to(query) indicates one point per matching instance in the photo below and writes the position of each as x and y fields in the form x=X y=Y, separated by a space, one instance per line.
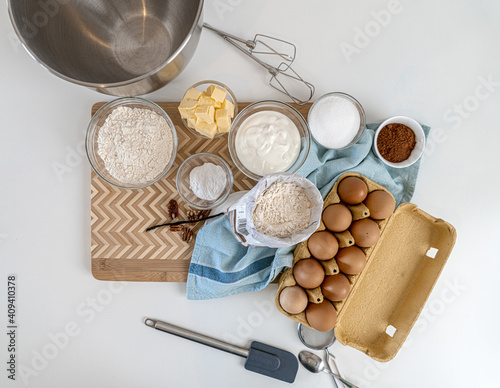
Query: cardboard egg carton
x=387 y=297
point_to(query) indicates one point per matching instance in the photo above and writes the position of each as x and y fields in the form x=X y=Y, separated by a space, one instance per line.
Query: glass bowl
x=183 y=182
x=91 y=145
x=419 y=138
x=202 y=86
x=314 y=123
x=275 y=106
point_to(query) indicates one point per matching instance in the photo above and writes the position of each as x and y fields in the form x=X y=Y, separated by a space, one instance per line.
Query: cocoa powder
x=395 y=142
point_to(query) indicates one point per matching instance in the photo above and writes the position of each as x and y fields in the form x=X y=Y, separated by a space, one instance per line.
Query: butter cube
x=222 y=120
x=188 y=104
x=191 y=122
x=187 y=107
x=229 y=106
x=205 y=113
x=192 y=94
x=206 y=129
x=187 y=113
x=217 y=93
x=206 y=100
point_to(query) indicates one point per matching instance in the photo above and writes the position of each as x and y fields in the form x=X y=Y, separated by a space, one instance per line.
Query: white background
x=429 y=59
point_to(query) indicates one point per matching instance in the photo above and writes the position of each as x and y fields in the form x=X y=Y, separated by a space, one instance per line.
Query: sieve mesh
x=314 y=339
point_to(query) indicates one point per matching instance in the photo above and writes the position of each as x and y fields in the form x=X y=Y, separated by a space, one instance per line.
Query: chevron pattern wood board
x=121 y=249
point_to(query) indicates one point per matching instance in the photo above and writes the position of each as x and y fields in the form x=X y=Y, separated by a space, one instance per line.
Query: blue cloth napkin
x=221 y=266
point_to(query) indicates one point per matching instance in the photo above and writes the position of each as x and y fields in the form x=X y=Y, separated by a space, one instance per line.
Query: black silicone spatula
x=261 y=358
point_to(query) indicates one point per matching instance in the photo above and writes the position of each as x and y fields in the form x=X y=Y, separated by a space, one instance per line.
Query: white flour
x=282 y=210
x=135 y=144
x=207 y=181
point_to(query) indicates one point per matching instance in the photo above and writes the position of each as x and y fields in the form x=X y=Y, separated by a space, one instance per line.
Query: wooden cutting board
x=121 y=249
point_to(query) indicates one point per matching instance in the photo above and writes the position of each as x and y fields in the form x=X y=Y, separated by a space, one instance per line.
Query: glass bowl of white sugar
x=204 y=181
x=131 y=143
x=336 y=121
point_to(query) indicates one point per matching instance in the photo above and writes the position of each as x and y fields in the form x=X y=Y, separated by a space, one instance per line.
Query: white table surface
x=429 y=62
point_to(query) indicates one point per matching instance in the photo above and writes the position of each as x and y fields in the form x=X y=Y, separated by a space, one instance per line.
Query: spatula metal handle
x=196 y=337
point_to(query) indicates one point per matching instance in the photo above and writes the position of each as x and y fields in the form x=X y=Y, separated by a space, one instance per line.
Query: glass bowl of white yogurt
x=269 y=137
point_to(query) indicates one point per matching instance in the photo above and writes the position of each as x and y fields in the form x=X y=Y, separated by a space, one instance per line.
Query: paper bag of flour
x=281 y=210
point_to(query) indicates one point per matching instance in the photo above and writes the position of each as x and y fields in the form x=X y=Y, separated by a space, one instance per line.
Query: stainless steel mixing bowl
x=117 y=47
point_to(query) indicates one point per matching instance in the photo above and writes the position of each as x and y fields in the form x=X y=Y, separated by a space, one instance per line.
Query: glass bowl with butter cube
x=208 y=108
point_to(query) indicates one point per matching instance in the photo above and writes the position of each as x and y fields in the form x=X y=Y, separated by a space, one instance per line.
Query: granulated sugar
x=334 y=121
x=282 y=210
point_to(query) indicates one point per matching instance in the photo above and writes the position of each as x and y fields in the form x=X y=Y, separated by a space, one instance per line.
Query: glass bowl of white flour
x=131 y=143
x=204 y=181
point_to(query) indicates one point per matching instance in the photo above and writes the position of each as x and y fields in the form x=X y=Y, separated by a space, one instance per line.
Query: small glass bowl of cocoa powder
x=399 y=141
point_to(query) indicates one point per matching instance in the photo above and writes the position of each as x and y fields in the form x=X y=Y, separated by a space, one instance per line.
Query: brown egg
x=337 y=217
x=321 y=316
x=351 y=260
x=380 y=203
x=336 y=287
x=352 y=190
x=308 y=273
x=323 y=245
x=293 y=299
x=365 y=232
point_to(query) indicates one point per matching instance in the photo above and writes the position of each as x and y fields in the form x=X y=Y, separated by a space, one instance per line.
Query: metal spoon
x=318 y=340
x=313 y=363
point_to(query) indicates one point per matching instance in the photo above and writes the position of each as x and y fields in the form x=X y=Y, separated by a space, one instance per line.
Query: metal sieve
x=319 y=340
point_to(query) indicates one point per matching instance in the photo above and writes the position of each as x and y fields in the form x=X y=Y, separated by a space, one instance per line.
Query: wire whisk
x=276 y=56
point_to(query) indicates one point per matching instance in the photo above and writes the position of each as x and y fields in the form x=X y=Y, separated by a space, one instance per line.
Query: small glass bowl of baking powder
x=418 y=146
x=131 y=143
x=204 y=181
x=337 y=121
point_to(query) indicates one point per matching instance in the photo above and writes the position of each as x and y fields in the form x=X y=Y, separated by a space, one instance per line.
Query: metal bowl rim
x=112 y=84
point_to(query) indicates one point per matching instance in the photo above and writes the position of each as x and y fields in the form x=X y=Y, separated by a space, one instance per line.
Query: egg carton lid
x=391 y=292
